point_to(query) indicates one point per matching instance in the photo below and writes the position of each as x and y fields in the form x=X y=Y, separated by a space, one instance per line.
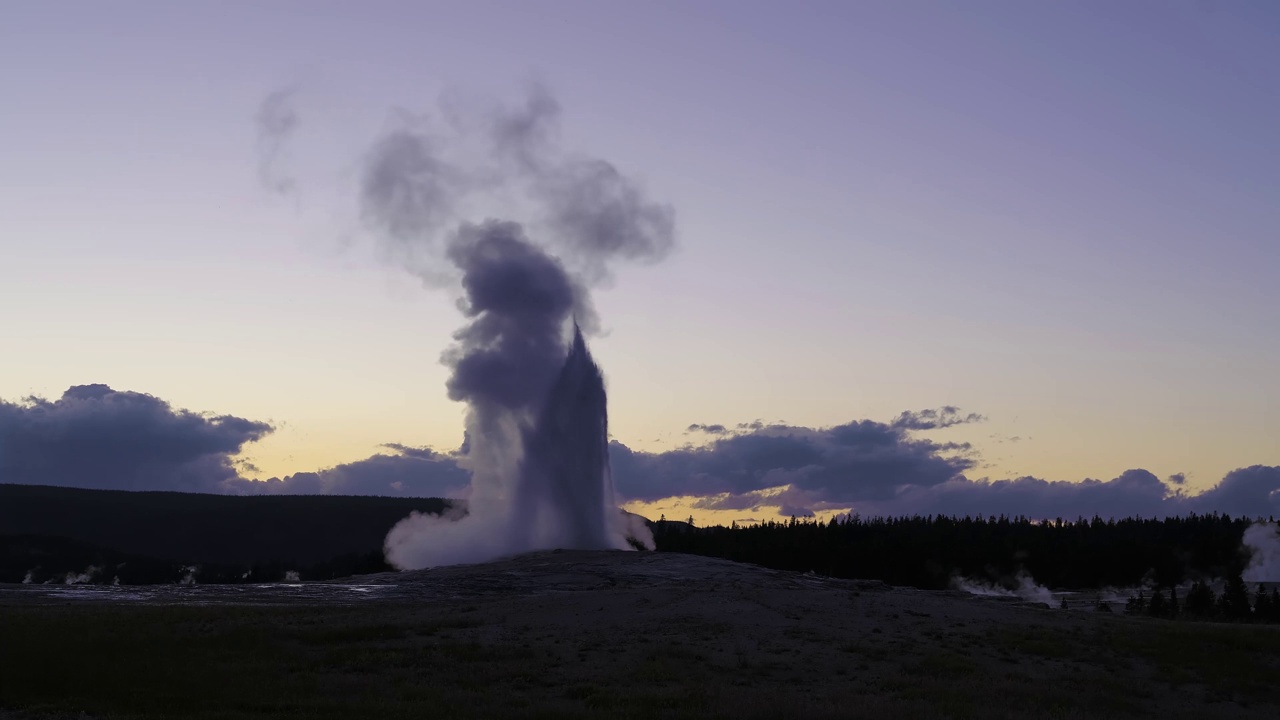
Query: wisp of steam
x=537 y=427
x=1262 y=540
x=1022 y=586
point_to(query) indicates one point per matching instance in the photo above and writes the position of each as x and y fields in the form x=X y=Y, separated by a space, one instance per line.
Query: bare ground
x=610 y=634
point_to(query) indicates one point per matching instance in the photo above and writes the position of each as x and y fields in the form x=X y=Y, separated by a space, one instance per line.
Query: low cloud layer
x=97 y=437
x=94 y=436
x=1135 y=492
x=400 y=470
x=821 y=467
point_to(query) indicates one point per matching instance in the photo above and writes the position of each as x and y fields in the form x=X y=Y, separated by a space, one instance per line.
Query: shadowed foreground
x=610 y=634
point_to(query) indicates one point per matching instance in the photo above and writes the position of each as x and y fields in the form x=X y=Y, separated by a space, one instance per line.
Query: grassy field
x=398 y=661
x=723 y=646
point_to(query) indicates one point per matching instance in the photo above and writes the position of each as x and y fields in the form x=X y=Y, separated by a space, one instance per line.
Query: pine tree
x=1136 y=605
x=1173 y=602
x=1234 y=602
x=1261 y=604
x=1200 y=600
x=1156 y=607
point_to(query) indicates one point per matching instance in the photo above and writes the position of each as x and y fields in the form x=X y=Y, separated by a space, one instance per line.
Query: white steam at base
x=1022 y=586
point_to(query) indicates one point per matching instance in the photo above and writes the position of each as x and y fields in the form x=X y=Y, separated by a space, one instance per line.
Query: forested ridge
x=154 y=537
x=927 y=552
x=143 y=537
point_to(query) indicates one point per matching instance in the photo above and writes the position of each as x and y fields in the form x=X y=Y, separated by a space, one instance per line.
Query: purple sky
x=1062 y=216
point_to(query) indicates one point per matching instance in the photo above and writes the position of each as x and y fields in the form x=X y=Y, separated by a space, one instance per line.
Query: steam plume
x=537 y=428
x=1263 y=542
x=1021 y=586
x=277 y=121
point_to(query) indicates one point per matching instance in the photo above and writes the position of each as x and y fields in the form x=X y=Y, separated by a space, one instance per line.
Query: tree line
x=929 y=551
x=1234 y=603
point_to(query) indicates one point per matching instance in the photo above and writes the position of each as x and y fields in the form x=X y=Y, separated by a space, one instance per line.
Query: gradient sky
x=1063 y=216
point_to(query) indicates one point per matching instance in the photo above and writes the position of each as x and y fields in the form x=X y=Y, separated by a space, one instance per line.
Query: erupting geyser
x=537 y=426
x=566 y=481
x=537 y=429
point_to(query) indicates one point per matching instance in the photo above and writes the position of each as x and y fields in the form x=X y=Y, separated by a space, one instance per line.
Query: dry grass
x=712 y=645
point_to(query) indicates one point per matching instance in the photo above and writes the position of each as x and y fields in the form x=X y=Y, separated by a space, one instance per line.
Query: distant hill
x=190 y=528
x=57 y=533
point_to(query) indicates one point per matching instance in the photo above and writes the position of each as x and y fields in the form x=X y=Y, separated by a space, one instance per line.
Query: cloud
x=94 y=436
x=859 y=461
x=1253 y=491
x=877 y=468
x=943 y=417
x=1134 y=492
x=708 y=429
x=404 y=471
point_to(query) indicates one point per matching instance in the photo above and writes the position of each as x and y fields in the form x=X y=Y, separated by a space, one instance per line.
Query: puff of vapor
x=276 y=121
x=82 y=578
x=1024 y=586
x=409 y=189
x=415 y=184
x=594 y=213
x=1263 y=542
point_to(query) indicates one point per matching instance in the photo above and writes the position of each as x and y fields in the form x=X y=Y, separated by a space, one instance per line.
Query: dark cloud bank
x=94 y=436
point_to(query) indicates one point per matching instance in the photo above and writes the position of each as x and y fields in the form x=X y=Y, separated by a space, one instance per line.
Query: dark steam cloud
x=408 y=189
x=518 y=298
x=525 y=135
x=581 y=208
x=597 y=214
x=97 y=437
